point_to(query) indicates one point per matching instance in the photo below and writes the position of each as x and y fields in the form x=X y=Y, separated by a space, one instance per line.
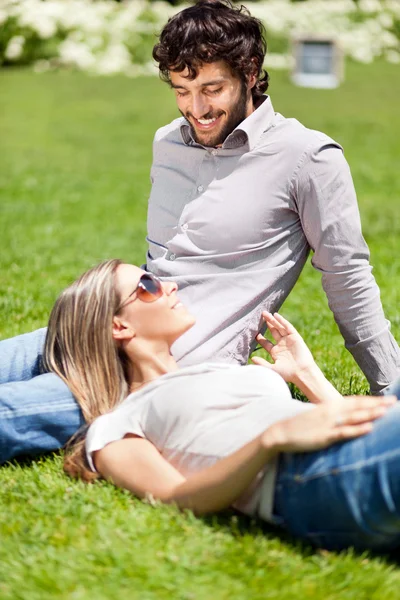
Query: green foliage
x=74 y=182
x=7 y=30
x=396 y=28
x=140 y=46
x=278 y=44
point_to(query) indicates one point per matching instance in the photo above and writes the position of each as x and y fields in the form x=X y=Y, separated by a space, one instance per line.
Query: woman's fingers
x=266 y=344
x=261 y=362
x=273 y=331
x=284 y=323
x=346 y=432
x=363 y=409
x=365 y=415
x=274 y=325
x=355 y=402
x=278 y=323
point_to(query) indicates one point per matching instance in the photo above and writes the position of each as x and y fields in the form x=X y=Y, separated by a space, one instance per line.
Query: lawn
x=74 y=181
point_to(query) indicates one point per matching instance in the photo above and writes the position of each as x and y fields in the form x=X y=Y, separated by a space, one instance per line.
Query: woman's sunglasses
x=149 y=289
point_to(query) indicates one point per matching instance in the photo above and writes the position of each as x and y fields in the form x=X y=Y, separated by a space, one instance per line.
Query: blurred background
x=107 y=37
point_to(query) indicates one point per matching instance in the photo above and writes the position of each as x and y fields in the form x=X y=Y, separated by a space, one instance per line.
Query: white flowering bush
x=106 y=37
x=102 y=36
x=365 y=30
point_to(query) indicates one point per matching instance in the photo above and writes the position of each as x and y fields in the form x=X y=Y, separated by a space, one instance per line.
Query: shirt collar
x=247 y=133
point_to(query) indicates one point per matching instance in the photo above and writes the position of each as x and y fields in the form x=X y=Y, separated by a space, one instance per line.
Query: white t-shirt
x=200 y=414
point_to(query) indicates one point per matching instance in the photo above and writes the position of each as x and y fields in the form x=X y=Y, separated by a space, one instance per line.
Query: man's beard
x=236 y=117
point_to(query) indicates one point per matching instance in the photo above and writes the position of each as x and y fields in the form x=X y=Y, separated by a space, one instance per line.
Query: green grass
x=74 y=181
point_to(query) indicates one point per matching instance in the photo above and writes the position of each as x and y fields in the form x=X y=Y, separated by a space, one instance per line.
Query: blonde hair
x=80 y=349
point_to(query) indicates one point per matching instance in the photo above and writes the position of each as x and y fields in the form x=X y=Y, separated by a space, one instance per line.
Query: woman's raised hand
x=289 y=353
x=327 y=424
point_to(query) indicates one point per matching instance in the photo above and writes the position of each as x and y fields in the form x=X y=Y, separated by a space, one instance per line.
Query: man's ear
x=121 y=330
x=252 y=79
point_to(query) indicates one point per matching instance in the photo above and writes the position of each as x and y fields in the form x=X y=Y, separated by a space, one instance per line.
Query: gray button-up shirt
x=233 y=227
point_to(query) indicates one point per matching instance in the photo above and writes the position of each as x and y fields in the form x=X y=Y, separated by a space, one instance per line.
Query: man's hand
x=290 y=353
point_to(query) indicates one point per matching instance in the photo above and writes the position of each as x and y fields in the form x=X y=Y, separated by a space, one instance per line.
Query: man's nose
x=200 y=106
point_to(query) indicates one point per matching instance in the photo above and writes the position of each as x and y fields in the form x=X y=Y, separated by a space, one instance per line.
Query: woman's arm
x=135 y=464
x=294 y=361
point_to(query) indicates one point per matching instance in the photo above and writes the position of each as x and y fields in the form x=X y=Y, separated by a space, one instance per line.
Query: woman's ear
x=121 y=330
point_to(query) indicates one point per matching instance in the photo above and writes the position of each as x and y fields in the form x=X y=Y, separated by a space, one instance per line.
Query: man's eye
x=215 y=92
x=180 y=94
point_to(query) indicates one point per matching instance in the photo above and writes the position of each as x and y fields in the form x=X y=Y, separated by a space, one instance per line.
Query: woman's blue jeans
x=37 y=412
x=345 y=495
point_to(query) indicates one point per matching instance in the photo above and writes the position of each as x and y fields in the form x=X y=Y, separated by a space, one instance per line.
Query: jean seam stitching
x=10 y=413
x=343 y=469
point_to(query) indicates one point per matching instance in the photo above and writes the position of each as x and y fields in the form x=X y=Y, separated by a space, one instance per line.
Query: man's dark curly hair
x=209 y=31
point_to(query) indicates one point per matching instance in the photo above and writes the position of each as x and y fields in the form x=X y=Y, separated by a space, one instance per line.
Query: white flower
x=115 y=59
x=370 y=6
x=3 y=16
x=45 y=28
x=363 y=55
x=389 y=40
x=372 y=27
x=95 y=42
x=76 y=54
x=41 y=66
x=15 y=47
x=394 y=7
x=385 y=20
x=393 y=57
x=35 y=15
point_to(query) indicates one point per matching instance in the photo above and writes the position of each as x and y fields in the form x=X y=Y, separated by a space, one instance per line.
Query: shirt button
x=200 y=188
x=172 y=256
x=185 y=226
x=214 y=152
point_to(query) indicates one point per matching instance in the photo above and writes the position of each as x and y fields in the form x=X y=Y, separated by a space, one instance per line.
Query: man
x=239 y=196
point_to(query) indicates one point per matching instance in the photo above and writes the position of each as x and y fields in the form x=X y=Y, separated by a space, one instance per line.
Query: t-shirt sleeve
x=110 y=428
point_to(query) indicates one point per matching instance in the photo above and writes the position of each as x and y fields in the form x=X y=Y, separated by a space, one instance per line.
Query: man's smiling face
x=214 y=103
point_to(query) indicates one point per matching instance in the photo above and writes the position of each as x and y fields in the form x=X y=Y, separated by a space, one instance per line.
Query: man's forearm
x=354 y=299
x=379 y=359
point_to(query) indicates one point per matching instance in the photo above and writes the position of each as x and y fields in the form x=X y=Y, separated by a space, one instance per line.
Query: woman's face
x=165 y=319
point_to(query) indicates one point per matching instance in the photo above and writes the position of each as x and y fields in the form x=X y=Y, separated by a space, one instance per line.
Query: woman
x=211 y=436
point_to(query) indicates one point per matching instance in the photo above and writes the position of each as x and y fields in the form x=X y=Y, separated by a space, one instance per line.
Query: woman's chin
x=186 y=324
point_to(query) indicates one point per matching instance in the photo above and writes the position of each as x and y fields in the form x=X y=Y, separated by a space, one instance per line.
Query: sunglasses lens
x=150 y=289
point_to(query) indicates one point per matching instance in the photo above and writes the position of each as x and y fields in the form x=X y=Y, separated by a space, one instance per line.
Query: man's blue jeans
x=37 y=412
x=345 y=495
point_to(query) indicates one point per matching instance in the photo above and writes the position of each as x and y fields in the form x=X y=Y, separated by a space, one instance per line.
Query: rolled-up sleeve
x=323 y=189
